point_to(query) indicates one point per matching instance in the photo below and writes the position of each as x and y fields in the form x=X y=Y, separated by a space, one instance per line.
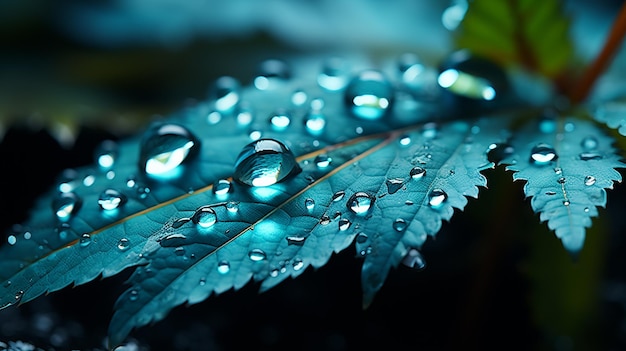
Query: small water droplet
x=361 y=238
x=123 y=244
x=223 y=267
x=561 y=180
x=399 y=225
x=245 y=115
x=232 y=206
x=324 y=220
x=85 y=240
x=222 y=188
x=360 y=203
x=404 y=140
x=265 y=162
x=179 y=251
x=587 y=156
x=225 y=93
x=106 y=154
x=542 y=154
x=309 y=204
x=299 y=97
x=280 y=120
x=589 y=143
x=369 y=95
x=65 y=205
x=393 y=185
x=586 y=209
x=297 y=264
x=409 y=203
x=334 y=74
x=417 y=173
x=133 y=295
x=295 y=240
x=414 y=259
x=12 y=239
x=257 y=255
x=322 y=161
x=205 y=217
x=566 y=203
x=164 y=147
x=338 y=196
x=7 y=284
x=272 y=74
x=590 y=180
x=214 y=117
x=436 y=198
x=315 y=122
x=111 y=199
x=550 y=193
x=344 y=224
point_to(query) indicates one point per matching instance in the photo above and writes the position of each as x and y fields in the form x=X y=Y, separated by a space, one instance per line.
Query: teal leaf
x=612 y=113
x=567 y=164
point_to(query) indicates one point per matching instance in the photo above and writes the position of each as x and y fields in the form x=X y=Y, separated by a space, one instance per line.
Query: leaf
x=612 y=113
x=172 y=203
x=567 y=164
x=530 y=33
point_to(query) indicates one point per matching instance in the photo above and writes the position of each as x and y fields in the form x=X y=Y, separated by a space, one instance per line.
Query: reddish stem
x=582 y=88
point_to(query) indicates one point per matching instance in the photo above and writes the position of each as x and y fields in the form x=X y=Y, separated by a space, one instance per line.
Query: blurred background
x=74 y=73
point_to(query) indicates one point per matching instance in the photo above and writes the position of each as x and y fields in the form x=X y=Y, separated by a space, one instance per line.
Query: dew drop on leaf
x=298 y=97
x=222 y=187
x=111 y=199
x=133 y=295
x=225 y=93
x=280 y=120
x=272 y=74
x=65 y=205
x=205 y=217
x=223 y=267
x=399 y=225
x=309 y=204
x=295 y=240
x=590 y=180
x=123 y=244
x=393 y=185
x=589 y=143
x=338 y=196
x=315 y=122
x=257 y=255
x=106 y=154
x=11 y=239
x=417 y=173
x=325 y=220
x=429 y=130
x=404 y=140
x=369 y=95
x=245 y=115
x=232 y=206
x=264 y=162
x=542 y=154
x=297 y=264
x=85 y=240
x=322 y=161
x=344 y=224
x=164 y=147
x=334 y=74
x=414 y=259
x=436 y=198
x=360 y=203
x=586 y=156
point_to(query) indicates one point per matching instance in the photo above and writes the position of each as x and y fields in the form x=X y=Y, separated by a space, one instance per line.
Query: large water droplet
x=417 y=173
x=225 y=93
x=334 y=75
x=106 y=154
x=257 y=255
x=272 y=74
x=369 y=95
x=65 y=205
x=542 y=154
x=223 y=267
x=360 y=203
x=111 y=199
x=164 y=147
x=205 y=217
x=222 y=188
x=265 y=162
x=414 y=259
x=436 y=198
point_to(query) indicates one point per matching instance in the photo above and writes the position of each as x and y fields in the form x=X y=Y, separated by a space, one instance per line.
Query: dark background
x=496 y=278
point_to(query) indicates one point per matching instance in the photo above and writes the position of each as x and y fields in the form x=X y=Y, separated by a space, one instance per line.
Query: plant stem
x=583 y=86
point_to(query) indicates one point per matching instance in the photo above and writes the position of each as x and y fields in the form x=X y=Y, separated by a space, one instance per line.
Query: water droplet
x=561 y=180
x=360 y=203
x=297 y=264
x=587 y=156
x=409 y=203
x=123 y=244
x=222 y=188
x=417 y=173
x=334 y=75
x=245 y=115
x=550 y=193
x=590 y=180
x=265 y=162
x=324 y=220
x=410 y=69
x=338 y=196
x=498 y=152
x=179 y=251
x=309 y=204
x=586 y=209
x=299 y=97
x=315 y=122
x=393 y=185
x=133 y=295
x=414 y=259
x=399 y=225
x=164 y=147
x=322 y=161
x=272 y=74
x=547 y=122
x=295 y=240
x=257 y=255
x=404 y=140
x=436 y=198
x=542 y=154
x=369 y=95
x=65 y=205
x=68 y=181
x=361 y=238
x=89 y=180
x=106 y=154
x=225 y=93
x=566 y=202
x=111 y=199
x=344 y=224
x=12 y=240
x=214 y=117
x=589 y=143
x=280 y=120
x=429 y=130
x=232 y=206
x=223 y=267
x=205 y=217
x=85 y=240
